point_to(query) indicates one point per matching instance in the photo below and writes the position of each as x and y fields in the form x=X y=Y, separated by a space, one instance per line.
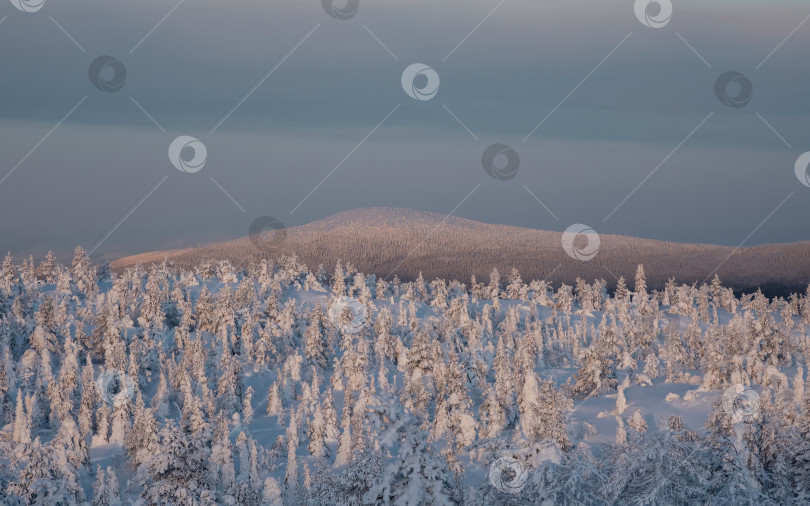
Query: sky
x=616 y=124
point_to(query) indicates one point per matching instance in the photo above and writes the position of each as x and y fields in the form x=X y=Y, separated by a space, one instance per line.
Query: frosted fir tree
x=121 y=421
x=42 y=481
x=47 y=269
x=70 y=456
x=504 y=380
x=382 y=289
x=637 y=422
x=344 y=452
x=621 y=432
x=438 y=288
x=597 y=374
x=152 y=315
x=798 y=386
x=491 y=416
x=271 y=492
x=656 y=469
x=315 y=344
x=22 y=425
x=204 y=310
x=103 y=423
x=88 y=401
x=652 y=366
x=106 y=488
x=330 y=417
x=621 y=399
x=416 y=477
x=247 y=406
x=84 y=274
x=584 y=295
x=142 y=441
x=515 y=288
x=220 y=461
x=291 y=473
x=543 y=410
x=774 y=446
x=421 y=288
x=160 y=401
x=177 y=473
x=99 y=488
x=384 y=345
x=316 y=433
x=274 y=404
x=801 y=458
x=28 y=277
x=9 y=277
x=675 y=355
x=358 y=478
x=5 y=399
x=338 y=280
x=640 y=286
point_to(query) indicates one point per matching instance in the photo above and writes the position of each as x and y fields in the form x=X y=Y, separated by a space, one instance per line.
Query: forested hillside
x=392 y=242
x=280 y=384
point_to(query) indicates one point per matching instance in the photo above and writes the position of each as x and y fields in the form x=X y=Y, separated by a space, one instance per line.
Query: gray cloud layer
x=331 y=92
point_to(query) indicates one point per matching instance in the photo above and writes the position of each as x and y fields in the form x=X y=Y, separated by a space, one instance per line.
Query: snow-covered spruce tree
x=220 y=461
x=142 y=440
x=177 y=473
x=274 y=404
x=247 y=406
x=597 y=374
x=491 y=416
x=84 y=274
x=801 y=458
x=106 y=488
x=640 y=287
x=315 y=344
x=417 y=477
x=338 y=280
x=291 y=484
x=504 y=381
x=44 y=479
x=656 y=469
x=316 y=433
x=515 y=288
x=543 y=410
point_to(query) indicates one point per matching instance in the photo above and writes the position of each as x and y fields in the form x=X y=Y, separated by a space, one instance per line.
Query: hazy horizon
x=504 y=67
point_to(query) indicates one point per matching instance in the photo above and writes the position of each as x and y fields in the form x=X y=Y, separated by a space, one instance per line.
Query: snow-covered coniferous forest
x=281 y=384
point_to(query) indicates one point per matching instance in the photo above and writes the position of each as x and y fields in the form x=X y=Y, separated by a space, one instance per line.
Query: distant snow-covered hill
x=403 y=242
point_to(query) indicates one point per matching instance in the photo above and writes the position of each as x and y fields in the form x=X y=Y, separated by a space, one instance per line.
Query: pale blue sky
x=329 y=94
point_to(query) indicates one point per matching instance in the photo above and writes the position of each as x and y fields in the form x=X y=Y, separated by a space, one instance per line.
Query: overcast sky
x=616 y=99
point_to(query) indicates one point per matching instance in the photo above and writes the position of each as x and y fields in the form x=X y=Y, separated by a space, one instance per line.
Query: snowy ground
x=581 y=397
